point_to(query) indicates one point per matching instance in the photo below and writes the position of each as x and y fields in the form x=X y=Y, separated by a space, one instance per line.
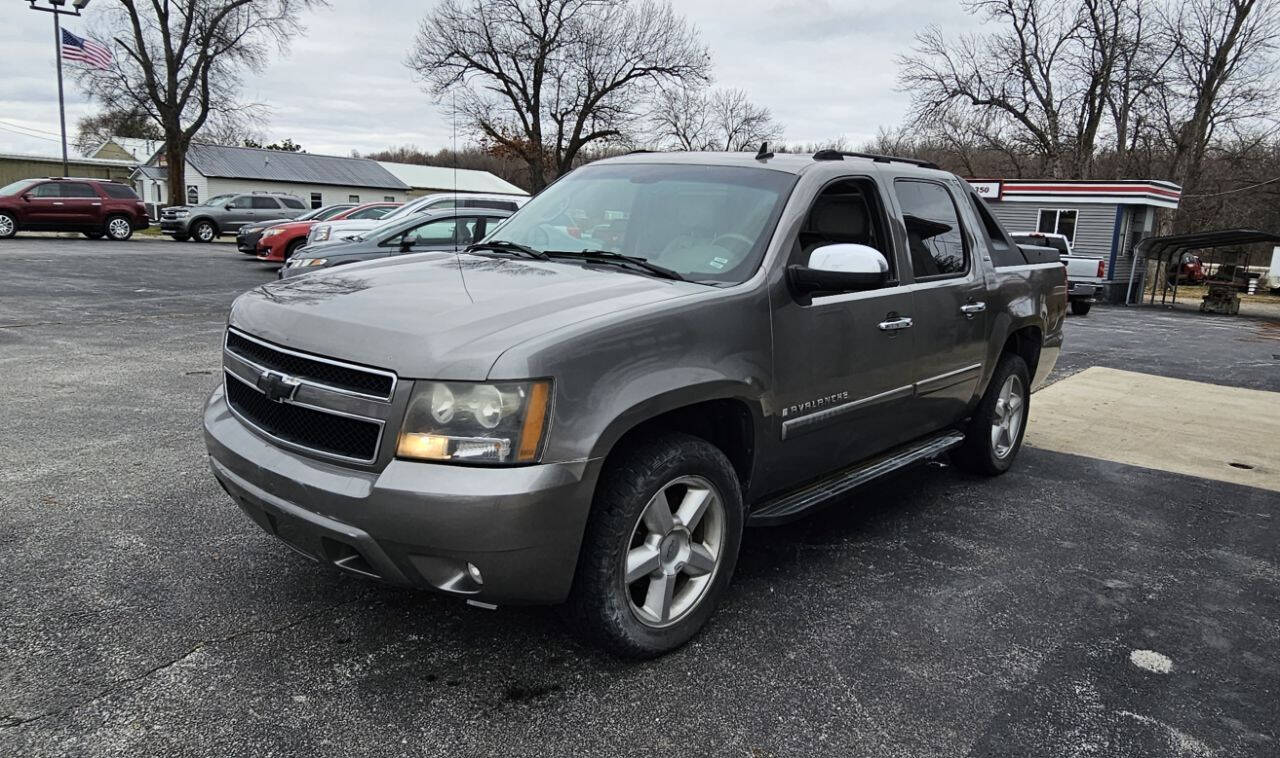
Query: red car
x=94 y=207
x=282 y=240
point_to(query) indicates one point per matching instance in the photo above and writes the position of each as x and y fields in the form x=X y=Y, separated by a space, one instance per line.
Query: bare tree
x=180 y=63
x=723 y=119
x=543 y=79
x=96 y=129
x=1220 y=74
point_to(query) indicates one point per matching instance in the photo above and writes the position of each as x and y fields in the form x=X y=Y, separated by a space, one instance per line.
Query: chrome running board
x=806 y=498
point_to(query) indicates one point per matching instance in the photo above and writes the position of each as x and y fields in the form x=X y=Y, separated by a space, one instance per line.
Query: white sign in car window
x=986 y=190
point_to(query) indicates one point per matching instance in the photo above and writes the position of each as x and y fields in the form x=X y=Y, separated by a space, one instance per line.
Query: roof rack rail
x=839 y=155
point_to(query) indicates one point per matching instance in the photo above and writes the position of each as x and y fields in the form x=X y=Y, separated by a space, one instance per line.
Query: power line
x=29 y=128
x=1238 y=189
x=32 y=136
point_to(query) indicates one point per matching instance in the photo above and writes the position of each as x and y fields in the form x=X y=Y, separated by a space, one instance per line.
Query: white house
x=317 y=179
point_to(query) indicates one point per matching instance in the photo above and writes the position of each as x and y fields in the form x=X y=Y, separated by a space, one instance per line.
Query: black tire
x=980 y=453
x=204 y=231
x=1080 y=307
x=180 y=237
x=118 y=228
x=601 y=604
x=93 y=235
x=8 y=225
x=293 y=248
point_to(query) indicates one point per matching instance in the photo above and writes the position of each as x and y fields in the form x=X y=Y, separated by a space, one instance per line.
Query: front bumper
x=173 y=225
x=248 y=243
x=415 y=524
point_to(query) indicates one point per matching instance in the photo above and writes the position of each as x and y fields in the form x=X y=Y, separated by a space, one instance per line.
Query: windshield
x=320 y=214
x=16 y=187
x=219 y=199
x=706 y=223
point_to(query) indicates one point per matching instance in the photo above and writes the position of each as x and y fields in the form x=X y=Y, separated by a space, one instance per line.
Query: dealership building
x=1100 y=218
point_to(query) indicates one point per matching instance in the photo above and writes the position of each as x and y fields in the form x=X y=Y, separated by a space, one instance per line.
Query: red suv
x=282 y=240
x=94 y=207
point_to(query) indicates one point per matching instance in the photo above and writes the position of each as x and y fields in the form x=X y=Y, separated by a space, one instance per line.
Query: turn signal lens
x=464 y=422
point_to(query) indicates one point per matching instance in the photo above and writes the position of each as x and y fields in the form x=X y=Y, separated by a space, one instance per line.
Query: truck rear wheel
x=1080 y=307
x=660 y=546
x=119 y=228
x=994 y=435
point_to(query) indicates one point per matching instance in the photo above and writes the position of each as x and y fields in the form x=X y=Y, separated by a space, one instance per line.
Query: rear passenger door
x=81 y=205
x=266 y=208
x=948 y=298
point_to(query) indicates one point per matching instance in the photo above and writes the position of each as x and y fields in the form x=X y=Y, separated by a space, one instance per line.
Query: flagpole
x=62 y=110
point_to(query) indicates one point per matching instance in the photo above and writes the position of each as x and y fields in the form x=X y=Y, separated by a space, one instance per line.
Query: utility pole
x=57 y=8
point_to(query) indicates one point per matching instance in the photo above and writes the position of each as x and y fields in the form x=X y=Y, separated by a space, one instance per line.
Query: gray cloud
x=825 y=67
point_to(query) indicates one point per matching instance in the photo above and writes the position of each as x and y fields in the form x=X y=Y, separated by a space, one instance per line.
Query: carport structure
x=1168 y=250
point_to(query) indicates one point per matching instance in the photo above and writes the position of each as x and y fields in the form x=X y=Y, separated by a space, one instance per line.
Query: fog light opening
x=474 y=572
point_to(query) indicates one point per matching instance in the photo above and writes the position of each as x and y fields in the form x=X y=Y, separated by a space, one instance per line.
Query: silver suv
x=225 y=214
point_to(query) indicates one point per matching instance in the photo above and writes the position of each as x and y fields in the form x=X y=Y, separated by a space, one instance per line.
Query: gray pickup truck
x=589 y=406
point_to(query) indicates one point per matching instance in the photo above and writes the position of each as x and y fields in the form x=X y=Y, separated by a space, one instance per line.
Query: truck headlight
x=467 y=422
x=322 y=234
x=181 y=214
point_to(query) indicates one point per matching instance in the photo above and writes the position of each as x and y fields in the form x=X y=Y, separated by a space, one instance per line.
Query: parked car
x=1189 y=271
x=225 y=214
x=450 y=229
x=281 y=241
x=249 y=234
x=593 y=425
x=1086 y=274
x=94 y=207
x=326 y=232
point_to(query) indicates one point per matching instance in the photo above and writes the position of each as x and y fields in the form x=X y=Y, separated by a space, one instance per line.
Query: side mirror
x=839 y=268
x=228 y=206
x=26 y=196
x=406 y=244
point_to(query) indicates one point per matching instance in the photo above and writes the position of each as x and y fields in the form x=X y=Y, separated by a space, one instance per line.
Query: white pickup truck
x=1085 y=273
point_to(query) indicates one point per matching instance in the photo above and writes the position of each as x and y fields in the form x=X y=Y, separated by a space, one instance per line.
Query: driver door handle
x=893 y=325
x=969 y=309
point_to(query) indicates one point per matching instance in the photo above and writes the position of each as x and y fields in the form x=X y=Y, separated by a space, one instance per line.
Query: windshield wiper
x=608 y=256
x=504 y=246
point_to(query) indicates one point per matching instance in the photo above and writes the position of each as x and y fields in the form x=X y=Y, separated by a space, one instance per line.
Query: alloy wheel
x=205 y=232
x=1010 y=411
x=6 y=226
x=675 y=551
x=118 y=228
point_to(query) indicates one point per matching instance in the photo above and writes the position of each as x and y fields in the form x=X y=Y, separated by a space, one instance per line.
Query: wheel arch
x=719 y=413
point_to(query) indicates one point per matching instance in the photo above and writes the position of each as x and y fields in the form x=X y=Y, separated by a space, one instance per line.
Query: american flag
x=83 y=50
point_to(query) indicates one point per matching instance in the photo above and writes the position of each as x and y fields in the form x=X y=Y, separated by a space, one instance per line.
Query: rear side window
x=119 y=191
x=264 y=203
x=1003 y=251
x=293 y=202
x=77 y=189
x=934 y=236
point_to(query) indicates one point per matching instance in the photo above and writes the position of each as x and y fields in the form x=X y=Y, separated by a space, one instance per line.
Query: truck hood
x=437 y=315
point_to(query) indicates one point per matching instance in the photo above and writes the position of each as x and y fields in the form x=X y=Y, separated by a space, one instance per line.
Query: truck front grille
x=317 y=430
x=345 y=377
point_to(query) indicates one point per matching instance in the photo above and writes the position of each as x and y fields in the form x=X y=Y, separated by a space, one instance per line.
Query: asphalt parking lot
x=1076 y=606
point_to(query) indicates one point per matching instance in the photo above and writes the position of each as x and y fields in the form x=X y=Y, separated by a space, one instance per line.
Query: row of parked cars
x=277 y=227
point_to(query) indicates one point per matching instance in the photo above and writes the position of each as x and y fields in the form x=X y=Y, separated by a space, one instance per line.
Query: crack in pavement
x=11 y=722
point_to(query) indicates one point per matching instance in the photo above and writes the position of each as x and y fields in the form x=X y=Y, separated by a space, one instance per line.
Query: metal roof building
x=427 y=179
x=317 y=179
x=1102 y=218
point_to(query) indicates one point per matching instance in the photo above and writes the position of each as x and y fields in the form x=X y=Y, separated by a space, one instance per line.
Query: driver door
x=844 y=364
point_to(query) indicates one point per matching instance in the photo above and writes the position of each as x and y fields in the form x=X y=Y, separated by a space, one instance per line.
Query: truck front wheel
x=204 y=231
x=995 y=432
x=660 y=546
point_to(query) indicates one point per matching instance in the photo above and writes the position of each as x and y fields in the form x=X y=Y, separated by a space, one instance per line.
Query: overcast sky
x=825 y=67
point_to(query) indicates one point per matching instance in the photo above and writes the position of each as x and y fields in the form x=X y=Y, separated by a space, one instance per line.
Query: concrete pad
x=1166 y=424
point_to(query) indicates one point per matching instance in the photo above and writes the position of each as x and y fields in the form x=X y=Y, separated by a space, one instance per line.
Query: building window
x=353 y=198
x=155 y=191
x=193 y=194
x=388 y=198
x=1058 y=222
x=316 y=200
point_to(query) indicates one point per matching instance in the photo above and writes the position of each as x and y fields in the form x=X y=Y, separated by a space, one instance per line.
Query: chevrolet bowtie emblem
x=277 y=386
